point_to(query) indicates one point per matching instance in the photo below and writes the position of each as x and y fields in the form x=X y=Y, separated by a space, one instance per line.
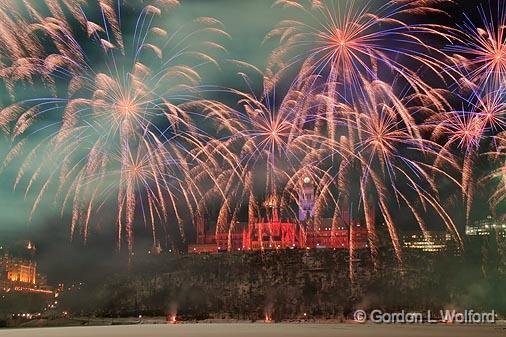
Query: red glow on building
x=270 y=233
x=282 y=235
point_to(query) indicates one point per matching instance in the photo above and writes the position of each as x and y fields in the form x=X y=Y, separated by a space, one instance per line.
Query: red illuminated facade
x=278 y=234
x=281 y=235
x=274 y=233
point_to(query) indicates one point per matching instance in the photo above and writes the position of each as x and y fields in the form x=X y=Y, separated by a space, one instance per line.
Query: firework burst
x=268 y=150
x=375 y=117
x=480 y=51
x=469 y=131
x=352 y=42
x=393 y=166
x=122 y=101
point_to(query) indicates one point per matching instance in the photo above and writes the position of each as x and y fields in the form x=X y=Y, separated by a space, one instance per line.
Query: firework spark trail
x=277 y=147
x=126 y=122
x=478 y=56
x=479 y=51
x=466 y=131
x=497 y=177
x=351 y=47
x=393 y=158
x=352 y=42
x=120 y=113
x=482 y=73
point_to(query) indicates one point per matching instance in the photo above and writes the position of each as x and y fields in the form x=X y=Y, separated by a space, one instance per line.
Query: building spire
x=306 y=200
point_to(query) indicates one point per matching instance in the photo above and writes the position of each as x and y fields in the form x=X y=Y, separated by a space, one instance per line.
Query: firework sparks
x=277 y=147
x=125 y=122
x=388 y=147
x=498 y=176
x=375 y=116
x=480 y=53
x=354 y=42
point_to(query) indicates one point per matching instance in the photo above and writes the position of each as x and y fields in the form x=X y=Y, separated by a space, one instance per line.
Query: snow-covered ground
x=264 y=330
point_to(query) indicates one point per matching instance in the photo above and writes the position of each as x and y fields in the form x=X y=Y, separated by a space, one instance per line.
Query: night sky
x=247 y=21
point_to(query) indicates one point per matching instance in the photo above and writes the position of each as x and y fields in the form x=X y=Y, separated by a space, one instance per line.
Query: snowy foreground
x=264 y=330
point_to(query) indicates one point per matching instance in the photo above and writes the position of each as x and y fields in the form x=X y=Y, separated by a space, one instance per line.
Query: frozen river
x=263 y=330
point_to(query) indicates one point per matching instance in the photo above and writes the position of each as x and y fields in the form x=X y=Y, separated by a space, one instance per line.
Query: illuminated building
x=337 y=235
x=20 y=273
x=432 y=242
x=306 y=200
x=487 y=227
x=280 y=235
x=271 y=232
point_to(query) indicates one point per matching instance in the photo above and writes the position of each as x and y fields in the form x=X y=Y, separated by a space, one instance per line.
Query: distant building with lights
x=18 y=273
x=272 y=232
x=431 y=242
x=487 y=227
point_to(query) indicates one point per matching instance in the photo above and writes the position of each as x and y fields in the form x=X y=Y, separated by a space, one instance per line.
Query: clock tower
x=306 y=200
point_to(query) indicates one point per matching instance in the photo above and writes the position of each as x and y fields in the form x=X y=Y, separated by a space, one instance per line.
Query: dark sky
x=247 y=21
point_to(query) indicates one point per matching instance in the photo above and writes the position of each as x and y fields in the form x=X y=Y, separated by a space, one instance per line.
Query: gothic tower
x=306 y=200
